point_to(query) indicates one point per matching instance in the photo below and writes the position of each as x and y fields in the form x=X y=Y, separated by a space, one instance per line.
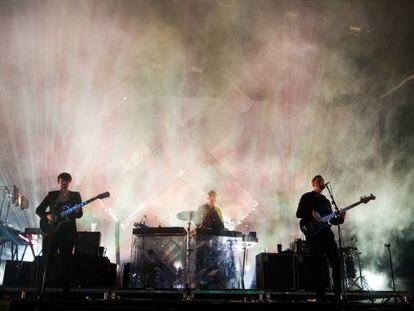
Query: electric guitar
x=61 y=214
x=311 y=228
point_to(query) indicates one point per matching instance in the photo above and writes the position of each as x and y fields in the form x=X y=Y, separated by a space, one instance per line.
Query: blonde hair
x=316 y=177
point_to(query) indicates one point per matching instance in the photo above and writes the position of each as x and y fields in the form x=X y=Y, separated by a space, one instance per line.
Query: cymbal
x=187 y=215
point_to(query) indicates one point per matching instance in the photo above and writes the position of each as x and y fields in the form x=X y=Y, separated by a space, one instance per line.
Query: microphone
x=325 y=185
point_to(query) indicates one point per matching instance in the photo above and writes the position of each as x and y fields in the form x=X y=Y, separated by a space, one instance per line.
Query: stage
x=128 y=299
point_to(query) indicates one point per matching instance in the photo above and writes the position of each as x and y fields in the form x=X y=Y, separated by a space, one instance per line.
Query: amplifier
x=18 y=274
x=287 y=272
x=94 y=272
x=87 y=272
x=304 y=272
x=275 y=271
x=87 y=243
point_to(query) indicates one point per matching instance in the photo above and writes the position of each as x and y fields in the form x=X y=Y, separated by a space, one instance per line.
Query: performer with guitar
x=313 y=206
x=62 y=240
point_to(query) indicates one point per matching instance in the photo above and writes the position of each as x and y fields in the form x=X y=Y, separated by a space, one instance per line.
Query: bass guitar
x=61 y=213
x=311 y=228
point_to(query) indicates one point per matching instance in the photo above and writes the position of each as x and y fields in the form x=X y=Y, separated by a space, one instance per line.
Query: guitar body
x=49 y=227
x=311 y=228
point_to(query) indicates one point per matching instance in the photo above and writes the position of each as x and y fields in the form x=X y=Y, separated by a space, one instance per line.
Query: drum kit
x=354 y=279
x=209 y=251
x=209 y=259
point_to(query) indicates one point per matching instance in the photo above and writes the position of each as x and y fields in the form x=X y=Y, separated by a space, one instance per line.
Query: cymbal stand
x=187 y=256
x=363 y=284
x=244 y=261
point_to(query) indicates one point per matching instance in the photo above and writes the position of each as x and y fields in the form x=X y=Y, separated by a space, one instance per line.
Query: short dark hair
x=316 y=177
x=64 y=176
x=212 y=193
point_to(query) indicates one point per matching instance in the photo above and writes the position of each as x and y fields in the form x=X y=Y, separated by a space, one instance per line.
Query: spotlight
x=376 y=281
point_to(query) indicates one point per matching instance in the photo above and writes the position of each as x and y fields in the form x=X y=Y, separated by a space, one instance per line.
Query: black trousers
x=324 y=245
x=57 y=252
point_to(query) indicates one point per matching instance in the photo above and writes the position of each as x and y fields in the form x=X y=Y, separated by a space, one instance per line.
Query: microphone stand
x=339 y=240
x=388 y=246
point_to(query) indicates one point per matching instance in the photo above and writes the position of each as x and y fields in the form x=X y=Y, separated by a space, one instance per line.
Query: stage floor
x=131 y=299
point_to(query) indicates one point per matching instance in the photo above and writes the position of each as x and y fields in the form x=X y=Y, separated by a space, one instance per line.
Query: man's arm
x=79 y=214
x=219 y=212
x=41 y=209
x=304 y=208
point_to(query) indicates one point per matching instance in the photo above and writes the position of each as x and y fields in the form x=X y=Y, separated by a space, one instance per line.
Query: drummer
x=211 y=216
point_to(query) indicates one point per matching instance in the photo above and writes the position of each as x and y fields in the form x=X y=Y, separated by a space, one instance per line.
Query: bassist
x=312 y=207
x=63 y=240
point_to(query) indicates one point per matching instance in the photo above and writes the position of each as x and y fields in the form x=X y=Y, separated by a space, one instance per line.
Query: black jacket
x=50 y=201
x=313 y=201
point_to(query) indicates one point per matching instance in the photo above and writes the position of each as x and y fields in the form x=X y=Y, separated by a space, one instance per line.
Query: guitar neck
x=77 y=206
x=333 y=214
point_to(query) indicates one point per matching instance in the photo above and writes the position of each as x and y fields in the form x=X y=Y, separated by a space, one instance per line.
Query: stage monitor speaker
x=275 y=271
x=54 y=278
x=93 y=272
x=287 y=272
x=87 y=271
x=87 y=243
x=18 y=274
